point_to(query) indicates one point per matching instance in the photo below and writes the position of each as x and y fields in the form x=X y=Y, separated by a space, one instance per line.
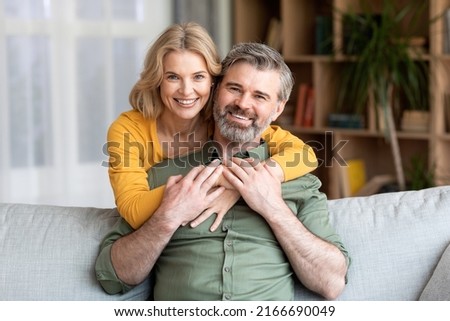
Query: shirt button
x=227 y=297
x=225 y=227
x=229 y=243
x=227 y=269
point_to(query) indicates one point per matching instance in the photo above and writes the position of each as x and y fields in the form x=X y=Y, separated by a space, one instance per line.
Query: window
x=66 y=70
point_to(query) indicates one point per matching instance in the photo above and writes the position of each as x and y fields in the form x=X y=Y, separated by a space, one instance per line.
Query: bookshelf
x=322 y=72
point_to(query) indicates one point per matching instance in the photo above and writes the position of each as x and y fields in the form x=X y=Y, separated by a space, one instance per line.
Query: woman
x=172 y=115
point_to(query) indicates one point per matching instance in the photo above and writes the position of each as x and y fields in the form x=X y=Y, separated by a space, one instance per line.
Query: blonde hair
x=145 y=94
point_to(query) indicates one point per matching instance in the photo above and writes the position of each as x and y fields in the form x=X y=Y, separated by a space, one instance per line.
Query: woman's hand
x=220 y=207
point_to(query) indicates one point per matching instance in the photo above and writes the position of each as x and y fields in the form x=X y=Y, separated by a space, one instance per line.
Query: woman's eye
x=199 y=77
x=172 y=77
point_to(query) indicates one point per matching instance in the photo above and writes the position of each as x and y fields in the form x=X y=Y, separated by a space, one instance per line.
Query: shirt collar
x=211 y=151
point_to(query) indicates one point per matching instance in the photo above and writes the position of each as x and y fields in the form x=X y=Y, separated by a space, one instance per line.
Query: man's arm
x=134 y=255
x=318 y=264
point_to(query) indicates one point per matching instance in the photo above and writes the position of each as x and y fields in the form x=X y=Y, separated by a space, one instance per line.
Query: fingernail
x=216 y=162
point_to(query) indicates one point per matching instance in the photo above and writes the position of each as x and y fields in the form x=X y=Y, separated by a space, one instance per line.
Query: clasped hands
x=214 y=189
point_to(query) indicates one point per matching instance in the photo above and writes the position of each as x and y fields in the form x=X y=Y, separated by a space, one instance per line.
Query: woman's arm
x=131 y=155
x=290 y=156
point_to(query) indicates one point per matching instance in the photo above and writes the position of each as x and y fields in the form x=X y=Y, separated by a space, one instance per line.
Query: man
x=275 y=232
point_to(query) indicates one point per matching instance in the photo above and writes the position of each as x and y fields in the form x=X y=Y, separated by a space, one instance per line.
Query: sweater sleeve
x=294 y=156
x=131 y=154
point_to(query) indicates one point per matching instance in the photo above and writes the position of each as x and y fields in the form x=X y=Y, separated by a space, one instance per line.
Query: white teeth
x=186 y=101
x=240 y=117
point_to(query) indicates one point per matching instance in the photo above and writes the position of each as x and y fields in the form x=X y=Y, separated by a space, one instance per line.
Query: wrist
x=273 y=211
x=163 y=221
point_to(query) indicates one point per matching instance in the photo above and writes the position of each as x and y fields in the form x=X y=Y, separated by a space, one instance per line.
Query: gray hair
x=262 y=57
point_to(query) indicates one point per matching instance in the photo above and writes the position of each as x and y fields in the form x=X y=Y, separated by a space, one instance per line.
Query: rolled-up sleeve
x=104 y=270
x=311 y=207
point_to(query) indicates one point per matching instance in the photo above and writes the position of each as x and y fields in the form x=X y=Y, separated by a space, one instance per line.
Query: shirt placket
x=228 y=246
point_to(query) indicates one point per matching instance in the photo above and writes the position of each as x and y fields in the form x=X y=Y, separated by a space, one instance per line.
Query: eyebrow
x=195 y=73
x=259 y=92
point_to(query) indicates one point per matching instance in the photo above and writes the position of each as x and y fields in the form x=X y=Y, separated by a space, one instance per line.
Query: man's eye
x=234 y=89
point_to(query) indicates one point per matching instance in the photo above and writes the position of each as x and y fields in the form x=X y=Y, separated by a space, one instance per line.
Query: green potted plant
x=382 y=69
x=418 y=175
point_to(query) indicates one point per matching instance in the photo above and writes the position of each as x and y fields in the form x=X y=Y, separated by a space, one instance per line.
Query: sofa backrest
x=48 y=253
x=395 y=241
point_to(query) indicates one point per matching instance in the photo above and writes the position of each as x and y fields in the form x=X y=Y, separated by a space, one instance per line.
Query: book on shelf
x=353 y=177
x=274 y=34
x=447 y=111
x=302 y=97
x=324 y=35
x=354 y=121
x=308 y=117
x=447 y=31
x=287 y=116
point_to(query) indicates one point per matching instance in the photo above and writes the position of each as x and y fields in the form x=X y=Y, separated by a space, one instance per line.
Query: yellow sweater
x=133 y=148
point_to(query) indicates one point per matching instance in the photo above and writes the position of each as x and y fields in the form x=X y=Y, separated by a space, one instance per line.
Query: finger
x=193 y=173
x=214 y=163
x=235 y=166
x=270 y=169
x=199 y=174
x=201 y=218
x=255 y=162
x=249 y=165
x=209 y=177
x=232 y=178
x=217 y=221
x=214 y=194
x=173 y=180
x=206 y=171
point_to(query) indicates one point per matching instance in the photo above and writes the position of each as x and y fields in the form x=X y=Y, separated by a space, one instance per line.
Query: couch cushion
x=438 y=288
x=395 y=241
x=48 y=253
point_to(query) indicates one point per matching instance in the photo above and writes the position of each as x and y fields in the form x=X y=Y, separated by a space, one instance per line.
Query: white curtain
x=66 y=68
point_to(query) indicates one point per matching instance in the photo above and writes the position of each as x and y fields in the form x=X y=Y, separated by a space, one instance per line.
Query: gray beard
x=233 y=131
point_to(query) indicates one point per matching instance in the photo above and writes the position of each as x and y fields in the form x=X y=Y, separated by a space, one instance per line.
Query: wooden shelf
x=322 y=72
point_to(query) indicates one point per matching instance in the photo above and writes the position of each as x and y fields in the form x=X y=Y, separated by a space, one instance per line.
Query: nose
x=244 y=101
x=186 y=87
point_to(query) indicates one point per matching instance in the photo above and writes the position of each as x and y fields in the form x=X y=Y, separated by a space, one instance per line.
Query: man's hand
x=256 y=182
x=223 y=203
x=186 y=197
x=318 y=264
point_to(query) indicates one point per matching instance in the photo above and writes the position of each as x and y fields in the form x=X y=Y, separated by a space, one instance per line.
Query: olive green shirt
x=241 y=260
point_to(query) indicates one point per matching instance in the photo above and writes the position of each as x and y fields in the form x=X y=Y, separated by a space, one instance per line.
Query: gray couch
x=397 y=242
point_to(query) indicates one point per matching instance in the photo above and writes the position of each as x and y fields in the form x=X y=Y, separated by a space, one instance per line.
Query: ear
x=279 y=109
